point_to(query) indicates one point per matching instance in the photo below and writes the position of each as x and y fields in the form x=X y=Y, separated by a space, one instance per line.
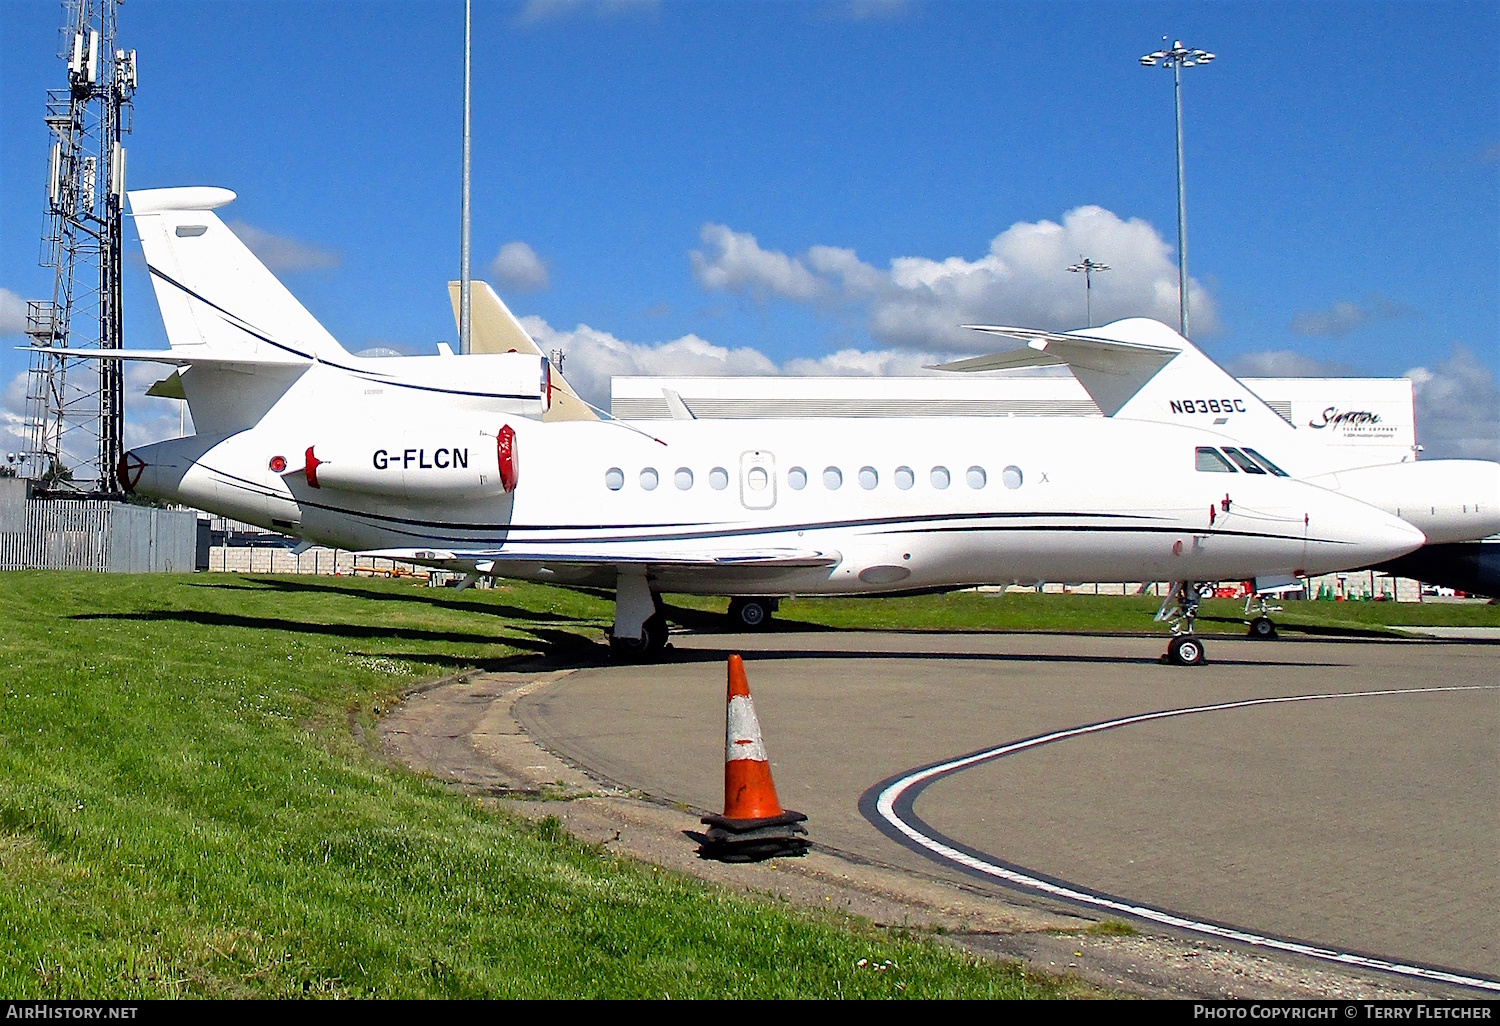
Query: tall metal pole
x=1177 y=58
x=463 y=288
x=1182 y=267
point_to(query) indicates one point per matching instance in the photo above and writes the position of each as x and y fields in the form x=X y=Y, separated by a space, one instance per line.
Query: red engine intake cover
x=311 y=467
x=505 y=449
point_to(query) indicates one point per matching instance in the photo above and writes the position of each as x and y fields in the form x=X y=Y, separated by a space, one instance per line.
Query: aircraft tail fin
x=1138 y=369
x=216 y=297
x=494 y=329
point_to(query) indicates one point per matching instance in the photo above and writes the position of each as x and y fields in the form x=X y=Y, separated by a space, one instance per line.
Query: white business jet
x=1142 y=370
x=457 y=462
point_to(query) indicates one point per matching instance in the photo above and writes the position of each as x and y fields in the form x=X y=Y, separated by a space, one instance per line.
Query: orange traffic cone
x=754 y=826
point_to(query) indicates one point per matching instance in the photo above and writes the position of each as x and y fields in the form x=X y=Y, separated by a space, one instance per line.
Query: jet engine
x=433 y=464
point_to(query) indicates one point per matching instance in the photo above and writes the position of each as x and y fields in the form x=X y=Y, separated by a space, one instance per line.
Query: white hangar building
x=1374 y=419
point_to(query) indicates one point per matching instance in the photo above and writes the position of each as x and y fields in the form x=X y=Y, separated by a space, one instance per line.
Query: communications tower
x=75 y=414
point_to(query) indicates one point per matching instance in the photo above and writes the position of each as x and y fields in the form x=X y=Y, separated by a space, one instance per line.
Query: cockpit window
x=1246 y=464
x=1209 y=460
x=1273 y=468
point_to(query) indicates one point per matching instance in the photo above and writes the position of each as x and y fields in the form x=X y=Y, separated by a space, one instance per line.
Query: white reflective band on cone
x=742 y=736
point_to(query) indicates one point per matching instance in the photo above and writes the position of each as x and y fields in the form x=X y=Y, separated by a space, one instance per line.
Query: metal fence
x=92 y=534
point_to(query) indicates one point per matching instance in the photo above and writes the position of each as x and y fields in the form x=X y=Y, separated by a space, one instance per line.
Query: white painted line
x=886 y=805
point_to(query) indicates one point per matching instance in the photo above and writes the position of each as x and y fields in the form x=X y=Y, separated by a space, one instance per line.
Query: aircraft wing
x=763 y=559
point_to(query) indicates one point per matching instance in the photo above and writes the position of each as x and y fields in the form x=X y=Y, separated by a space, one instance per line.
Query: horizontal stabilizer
x=181 y=357
x=1112 y=370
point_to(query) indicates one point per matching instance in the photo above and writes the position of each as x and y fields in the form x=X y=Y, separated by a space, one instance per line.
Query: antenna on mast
x=75 y=416
x=463 y=277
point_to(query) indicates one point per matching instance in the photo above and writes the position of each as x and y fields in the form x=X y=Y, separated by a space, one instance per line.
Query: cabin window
x=614 y=479
x=868 y=478
x=1246 y=464
x=1210 y=461
x=833 y=478
x=683 y=479
x=976 y=477
x=1011 y=477
x=718 y=479
x=797 y=478
x=941 y=478
x=757 y=479
x=905 y=478
x=649 y=479
x=1273 y=468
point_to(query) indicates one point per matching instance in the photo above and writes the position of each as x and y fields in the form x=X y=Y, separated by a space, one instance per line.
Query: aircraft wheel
x=629 y=650
x=1263 y=629
x=1185 y=650
x=655 y=633
x=749 y=614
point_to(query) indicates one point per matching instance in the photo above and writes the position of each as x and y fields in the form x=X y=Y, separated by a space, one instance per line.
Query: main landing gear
x=1262 y=627
x=750 y=614
x=1185 y=648
x=640 y=630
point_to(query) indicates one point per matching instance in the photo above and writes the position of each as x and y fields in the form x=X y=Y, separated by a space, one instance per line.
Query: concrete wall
x=316 y=560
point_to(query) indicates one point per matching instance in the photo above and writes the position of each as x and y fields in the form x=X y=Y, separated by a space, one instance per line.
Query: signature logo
x=1334 y=417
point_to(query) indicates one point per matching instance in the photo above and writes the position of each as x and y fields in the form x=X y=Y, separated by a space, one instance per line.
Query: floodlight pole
x=463 y=278
x=1088 y=267
x=1182 y=272
x=1177 y=58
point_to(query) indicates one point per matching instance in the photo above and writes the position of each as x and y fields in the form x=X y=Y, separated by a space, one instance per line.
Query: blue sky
x=854 y=178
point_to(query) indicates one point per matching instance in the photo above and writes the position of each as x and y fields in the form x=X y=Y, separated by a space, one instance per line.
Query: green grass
x=185 y=810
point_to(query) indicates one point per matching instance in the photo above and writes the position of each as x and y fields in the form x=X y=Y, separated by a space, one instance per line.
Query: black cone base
x=752 y=840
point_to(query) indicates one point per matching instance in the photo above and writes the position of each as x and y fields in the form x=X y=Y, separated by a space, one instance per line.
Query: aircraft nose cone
x=1390 y=537
x=129 y=471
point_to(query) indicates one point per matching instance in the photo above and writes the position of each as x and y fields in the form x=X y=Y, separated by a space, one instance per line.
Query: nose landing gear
x=1185 y=649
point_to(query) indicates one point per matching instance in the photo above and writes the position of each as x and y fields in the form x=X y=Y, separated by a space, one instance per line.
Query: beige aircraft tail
x=494 y=329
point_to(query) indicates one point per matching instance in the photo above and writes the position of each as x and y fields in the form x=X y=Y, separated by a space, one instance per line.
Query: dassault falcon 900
x=462 y=462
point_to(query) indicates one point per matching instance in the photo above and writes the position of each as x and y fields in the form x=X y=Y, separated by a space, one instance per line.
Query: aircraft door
x=757 y=479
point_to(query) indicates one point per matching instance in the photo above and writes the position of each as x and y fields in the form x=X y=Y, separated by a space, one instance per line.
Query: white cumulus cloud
x=13 y=437
x=519 y=268
x=538 y=11
x=12 y=313
x=1285 y=363
x=1458 y=407
x=918 y=302
x=871 y=10
x=593 y=357
x=1343 y=317
x=735 y=262
x=283 y=254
